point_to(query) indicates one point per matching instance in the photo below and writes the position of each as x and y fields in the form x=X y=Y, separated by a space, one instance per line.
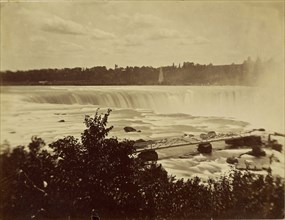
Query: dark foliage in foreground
x=102 y=173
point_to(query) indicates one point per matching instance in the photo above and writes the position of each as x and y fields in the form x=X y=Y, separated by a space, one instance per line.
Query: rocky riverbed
x=180 y=155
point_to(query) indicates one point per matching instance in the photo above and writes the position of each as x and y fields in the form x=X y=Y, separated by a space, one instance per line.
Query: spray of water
x=272 y=100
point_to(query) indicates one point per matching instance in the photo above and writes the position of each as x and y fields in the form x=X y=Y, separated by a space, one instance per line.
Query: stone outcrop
x=211 y=134
x=148 y=155
x=205 y=148
x=232 y=160
x=277 y=147
x=143 y=143
x=129 y=129
x=203 y=136
x=257 y=151
x=247 y=141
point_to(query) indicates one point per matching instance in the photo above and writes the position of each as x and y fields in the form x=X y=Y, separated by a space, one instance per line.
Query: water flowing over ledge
x=245 y=103
x=156 y=110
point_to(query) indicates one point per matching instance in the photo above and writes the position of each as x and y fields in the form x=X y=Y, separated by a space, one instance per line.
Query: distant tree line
x=71 y=177
x=187 y=73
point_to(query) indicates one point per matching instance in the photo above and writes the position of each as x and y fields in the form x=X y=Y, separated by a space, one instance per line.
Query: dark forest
x=187 y=73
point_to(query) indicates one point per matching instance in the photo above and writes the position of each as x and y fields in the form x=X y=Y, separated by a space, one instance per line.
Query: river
x=155 y=110
x=52 y=112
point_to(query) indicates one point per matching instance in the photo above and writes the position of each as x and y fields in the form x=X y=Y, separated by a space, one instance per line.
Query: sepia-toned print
x=142 y=110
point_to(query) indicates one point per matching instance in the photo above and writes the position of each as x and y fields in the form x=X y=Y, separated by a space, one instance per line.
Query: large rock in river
x=205 y=148
x=277 y=147
x=235 y=142
x=257 y=151
x=247 y=141
x=148 y=155
x=203 y=136
x=232 y=160
x=129 y=129
x=251 y=141
x=142 y=143
x=211 y=134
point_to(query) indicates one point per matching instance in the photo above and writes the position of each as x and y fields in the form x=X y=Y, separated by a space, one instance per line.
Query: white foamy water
x=158 y=111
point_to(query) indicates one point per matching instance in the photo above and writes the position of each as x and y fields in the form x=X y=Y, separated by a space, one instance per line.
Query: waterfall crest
x=220 y=101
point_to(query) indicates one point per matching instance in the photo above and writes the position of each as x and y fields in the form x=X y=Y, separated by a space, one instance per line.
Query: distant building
x=43 y=82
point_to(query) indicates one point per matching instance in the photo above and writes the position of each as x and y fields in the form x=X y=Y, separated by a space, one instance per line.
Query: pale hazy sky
x=86 y=34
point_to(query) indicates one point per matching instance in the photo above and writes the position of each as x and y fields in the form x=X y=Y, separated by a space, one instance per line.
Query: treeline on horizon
x=71 y=177
x=188 y=73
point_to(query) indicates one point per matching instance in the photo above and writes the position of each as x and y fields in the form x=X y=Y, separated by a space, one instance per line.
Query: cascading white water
x=158 y=111
x=225 y=101
x=155 y=109
x=255 y=105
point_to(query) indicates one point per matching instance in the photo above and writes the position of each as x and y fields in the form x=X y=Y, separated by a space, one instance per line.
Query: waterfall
x=157 y=110
x=195 y=100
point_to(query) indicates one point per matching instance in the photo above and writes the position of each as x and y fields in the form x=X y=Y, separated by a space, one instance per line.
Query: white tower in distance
x=160 y=76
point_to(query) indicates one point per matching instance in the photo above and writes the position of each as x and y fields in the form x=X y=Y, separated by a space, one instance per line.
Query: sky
x=146 y=33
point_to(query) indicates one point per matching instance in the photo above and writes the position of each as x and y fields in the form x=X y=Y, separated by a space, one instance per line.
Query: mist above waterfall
x=272 y=81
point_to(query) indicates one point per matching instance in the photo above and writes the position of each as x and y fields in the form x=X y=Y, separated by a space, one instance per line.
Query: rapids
x=52 y=112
